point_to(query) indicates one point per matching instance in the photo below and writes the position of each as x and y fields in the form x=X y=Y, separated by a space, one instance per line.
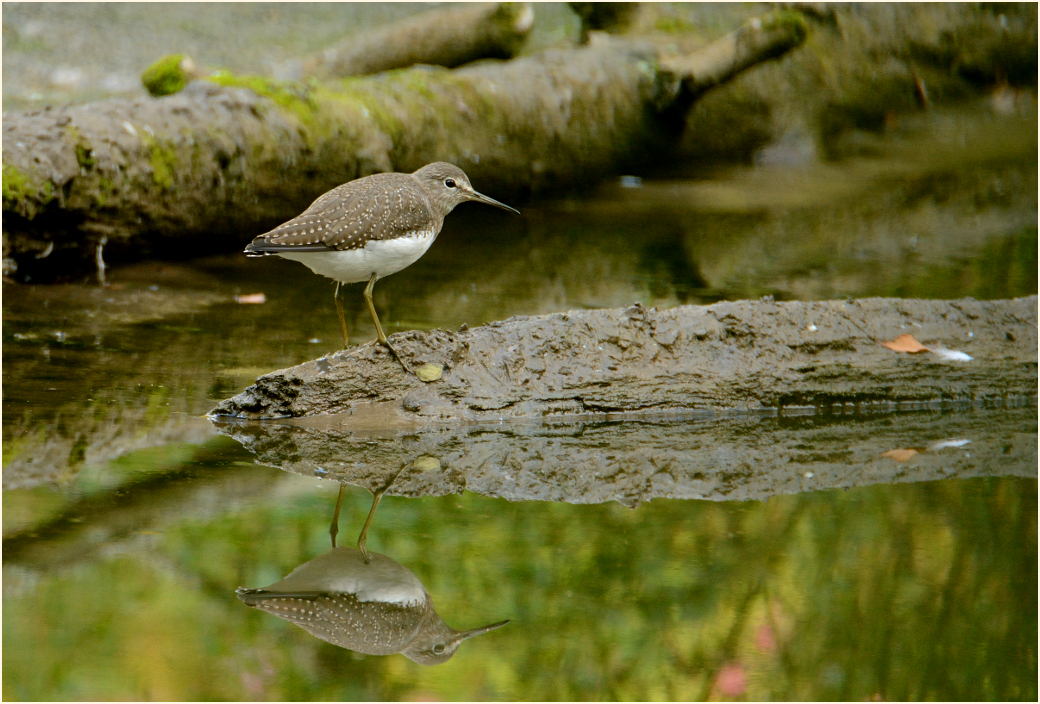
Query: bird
x=376 y=607
x=371 y=227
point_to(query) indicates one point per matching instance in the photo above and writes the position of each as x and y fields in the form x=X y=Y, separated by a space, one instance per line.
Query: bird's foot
x=386 y=343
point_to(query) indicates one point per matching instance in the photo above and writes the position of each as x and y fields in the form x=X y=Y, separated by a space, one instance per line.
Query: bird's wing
x=379 y=207
x=252 y=597
x=340 y=618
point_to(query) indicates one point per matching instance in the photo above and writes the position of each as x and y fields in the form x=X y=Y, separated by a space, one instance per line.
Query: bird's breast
x=379 y=257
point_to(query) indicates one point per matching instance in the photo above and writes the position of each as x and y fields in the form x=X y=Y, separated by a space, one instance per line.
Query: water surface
x=129 y=520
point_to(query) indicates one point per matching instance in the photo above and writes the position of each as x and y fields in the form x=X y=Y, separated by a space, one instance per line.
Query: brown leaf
x=905 y=343
x=251 y=298
x=901 y=455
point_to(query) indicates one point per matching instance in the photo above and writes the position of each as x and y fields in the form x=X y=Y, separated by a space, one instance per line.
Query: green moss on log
x=303 y=100
x=292 y=95
x=164 y=161
x=788 y=21
x=168 y=75
x=672 y=25
x=84 y=150
x=22 y=194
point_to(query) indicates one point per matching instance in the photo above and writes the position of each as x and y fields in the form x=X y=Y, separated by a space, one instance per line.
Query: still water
x=129 y=520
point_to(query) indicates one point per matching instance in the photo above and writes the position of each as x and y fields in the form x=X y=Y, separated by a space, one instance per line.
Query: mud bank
x=742 y=356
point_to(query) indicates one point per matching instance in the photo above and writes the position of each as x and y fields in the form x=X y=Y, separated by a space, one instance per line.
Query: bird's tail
x=253 y=597
x=262 y=248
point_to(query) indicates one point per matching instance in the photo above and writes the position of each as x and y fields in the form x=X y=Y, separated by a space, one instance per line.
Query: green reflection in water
x=922 y=591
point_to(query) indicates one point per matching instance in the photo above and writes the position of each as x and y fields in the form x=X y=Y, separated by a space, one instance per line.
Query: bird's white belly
x=381 y=257
x=343 y=571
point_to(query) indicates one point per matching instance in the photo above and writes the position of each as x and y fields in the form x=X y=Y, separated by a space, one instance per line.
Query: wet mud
x=743 y=356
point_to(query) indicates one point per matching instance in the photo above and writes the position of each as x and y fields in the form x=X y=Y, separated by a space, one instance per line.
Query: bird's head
x=447 y=185
x=438 y=641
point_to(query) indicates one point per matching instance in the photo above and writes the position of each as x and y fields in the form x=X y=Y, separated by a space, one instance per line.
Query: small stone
x=411 y=402
x=430 y=372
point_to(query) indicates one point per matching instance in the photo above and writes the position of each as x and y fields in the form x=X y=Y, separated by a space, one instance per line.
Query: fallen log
x=224 y=159
x=447 y=37
x=736 y=356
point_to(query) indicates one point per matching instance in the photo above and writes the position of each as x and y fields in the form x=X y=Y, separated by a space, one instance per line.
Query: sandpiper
x=375 y=606
x=372 y=227
x=363 y=601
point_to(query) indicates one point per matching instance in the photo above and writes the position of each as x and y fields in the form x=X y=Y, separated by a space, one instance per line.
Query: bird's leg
x=363 y=538
x=379 y=328
x=342 y=320
x=334 y=528
x=376 y=496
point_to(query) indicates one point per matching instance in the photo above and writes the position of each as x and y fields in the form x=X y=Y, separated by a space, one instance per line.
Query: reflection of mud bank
x=743 y=356
x=633 y=461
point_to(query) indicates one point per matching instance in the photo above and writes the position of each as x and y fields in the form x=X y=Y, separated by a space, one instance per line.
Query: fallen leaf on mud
x=251 y=298
x=901 y=455
x=430 y=372
x=909 y=344
x=425 y=463
x=905 y=343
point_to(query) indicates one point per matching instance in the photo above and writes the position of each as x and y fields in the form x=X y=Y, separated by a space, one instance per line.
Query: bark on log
x=446 y=37
x=740 y=356
x=215 y=164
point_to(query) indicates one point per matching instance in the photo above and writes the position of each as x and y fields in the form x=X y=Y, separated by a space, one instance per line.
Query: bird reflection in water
x=362 y=601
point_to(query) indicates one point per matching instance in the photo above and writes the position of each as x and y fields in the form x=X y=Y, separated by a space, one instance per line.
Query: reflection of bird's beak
x=481 y=198
x=479 y=631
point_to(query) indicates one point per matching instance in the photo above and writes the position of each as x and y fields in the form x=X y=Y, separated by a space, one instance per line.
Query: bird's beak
x=479 y=631
x=481 y=198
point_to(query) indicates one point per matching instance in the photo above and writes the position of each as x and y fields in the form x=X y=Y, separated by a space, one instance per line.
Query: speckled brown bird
x=377 y=607
x=372 y=227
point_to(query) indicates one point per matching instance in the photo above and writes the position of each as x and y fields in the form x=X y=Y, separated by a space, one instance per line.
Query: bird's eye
x=440 y=648
x=450 y=183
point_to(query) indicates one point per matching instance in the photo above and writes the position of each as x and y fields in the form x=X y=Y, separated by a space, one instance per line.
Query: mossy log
x=227 y=158
x=449 y=37
x=744 y=356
